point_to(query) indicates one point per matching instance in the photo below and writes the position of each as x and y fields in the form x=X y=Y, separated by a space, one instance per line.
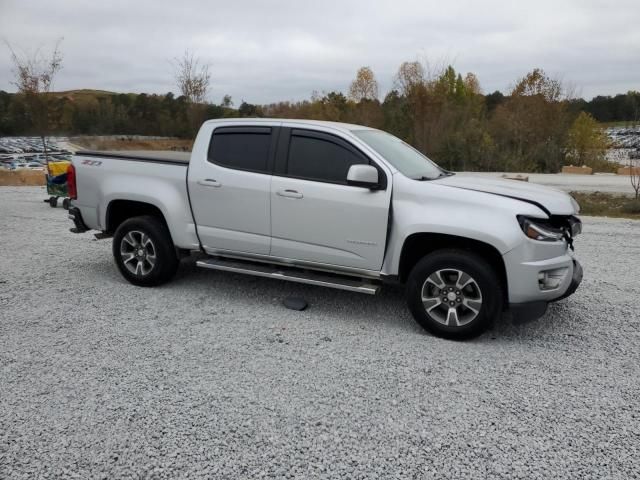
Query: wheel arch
x=120 y=210
x=417 y=245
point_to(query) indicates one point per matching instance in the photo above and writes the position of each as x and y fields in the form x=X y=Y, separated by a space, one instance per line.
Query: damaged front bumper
x=529 y=311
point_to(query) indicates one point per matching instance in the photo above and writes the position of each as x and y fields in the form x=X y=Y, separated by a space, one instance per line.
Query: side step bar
x=290 y=274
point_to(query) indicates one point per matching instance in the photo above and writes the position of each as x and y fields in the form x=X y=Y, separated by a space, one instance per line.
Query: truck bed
x=157 y=178
x=175 y=158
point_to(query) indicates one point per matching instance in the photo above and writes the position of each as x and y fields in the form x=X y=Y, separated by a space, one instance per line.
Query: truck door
x=315 y=216
x=230 y=191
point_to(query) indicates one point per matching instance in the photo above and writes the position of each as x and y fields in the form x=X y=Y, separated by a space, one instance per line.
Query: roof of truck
x=346 y=127
x=182 y=158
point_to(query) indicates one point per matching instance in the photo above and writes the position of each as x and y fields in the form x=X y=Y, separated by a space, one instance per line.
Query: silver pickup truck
x=335 y=205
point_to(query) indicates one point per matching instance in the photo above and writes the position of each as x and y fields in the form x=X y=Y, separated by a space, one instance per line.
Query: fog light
x=551 y=279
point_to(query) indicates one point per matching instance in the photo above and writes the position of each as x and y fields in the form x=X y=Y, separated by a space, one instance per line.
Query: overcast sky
x=262 y=51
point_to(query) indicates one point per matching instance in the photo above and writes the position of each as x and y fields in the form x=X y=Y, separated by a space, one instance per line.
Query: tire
x=456 y=280
x=65 y=203
x=144 y=252
x=53 y=202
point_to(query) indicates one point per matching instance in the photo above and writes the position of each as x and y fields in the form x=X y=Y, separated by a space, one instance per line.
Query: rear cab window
x=242 y=148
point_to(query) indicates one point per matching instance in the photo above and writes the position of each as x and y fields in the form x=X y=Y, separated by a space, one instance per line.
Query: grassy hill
x=83 y=95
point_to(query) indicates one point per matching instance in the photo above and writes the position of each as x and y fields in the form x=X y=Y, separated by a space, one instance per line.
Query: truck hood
x=555 y=202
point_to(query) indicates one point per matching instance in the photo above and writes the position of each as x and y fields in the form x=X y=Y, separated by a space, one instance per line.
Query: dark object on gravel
x=295 y=303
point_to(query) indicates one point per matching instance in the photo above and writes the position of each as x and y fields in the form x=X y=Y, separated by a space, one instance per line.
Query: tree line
x=536 y=126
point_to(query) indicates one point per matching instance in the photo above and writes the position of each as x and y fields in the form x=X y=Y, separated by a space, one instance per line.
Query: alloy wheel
x=451 y=297
x=138 y=252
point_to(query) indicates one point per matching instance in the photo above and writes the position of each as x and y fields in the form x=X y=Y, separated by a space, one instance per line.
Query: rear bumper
x=76 y=216
x=528 y=311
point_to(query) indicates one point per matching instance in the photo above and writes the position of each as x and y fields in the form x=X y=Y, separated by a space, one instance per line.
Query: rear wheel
x=144 y=252
x=454 y=294
x=53 y=202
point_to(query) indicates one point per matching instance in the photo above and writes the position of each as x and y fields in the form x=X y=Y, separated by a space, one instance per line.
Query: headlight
x=540 y=229
x=576 y=226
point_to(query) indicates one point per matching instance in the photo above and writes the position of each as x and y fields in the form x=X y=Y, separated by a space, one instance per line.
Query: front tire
x=454 y=294
x=144 y=252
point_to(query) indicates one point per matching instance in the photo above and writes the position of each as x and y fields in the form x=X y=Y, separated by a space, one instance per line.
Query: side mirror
x=363 y=176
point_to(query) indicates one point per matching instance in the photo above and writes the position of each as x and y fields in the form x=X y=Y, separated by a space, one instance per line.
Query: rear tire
x=454 y=294
x=53 y=202
x=65 y=203
x=144 y=252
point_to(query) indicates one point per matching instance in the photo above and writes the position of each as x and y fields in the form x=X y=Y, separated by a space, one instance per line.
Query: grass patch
x=632 y=207
x=601 y=204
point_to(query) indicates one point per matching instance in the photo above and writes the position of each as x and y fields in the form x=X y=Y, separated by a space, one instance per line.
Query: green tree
x=395 y=116
x=530 y=126
x=492 y=100
x=587 y=143
x=249 y=110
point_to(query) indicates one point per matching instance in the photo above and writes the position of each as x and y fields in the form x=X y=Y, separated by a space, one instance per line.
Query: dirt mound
x=16 y=178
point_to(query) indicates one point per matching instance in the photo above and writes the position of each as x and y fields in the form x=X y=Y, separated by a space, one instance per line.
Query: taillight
x=71 y=182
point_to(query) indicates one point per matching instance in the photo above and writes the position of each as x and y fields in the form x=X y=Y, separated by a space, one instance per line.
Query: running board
x=291 y=275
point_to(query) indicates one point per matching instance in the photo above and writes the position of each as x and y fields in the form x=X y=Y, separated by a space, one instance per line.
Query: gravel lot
x=210 y=376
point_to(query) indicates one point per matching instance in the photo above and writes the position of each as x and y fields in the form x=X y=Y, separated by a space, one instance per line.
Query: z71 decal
x=92 y=163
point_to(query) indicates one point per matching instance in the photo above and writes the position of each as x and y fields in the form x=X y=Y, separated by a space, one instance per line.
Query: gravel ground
x=210 y=376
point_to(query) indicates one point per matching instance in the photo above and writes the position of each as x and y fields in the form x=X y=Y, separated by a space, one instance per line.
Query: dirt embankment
x=101 y=143
x=22 y=177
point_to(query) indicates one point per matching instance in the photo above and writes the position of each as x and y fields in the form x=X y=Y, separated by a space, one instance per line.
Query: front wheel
x=144 y=252
x=454 y=294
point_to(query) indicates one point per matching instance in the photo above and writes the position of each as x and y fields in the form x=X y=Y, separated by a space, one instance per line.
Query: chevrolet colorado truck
x=335 y=205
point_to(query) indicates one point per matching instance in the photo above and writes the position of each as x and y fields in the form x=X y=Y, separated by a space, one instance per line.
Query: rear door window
x=241 y=148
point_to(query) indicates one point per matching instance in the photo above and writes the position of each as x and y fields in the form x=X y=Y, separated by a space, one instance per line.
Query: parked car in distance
x=336 y=205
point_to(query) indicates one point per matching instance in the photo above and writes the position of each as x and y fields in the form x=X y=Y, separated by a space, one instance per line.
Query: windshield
x=409 y=161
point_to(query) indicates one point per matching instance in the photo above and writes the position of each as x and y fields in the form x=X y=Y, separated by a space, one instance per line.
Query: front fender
x=426 y=207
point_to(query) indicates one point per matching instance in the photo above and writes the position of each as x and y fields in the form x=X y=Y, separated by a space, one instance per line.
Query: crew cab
x=335 y=205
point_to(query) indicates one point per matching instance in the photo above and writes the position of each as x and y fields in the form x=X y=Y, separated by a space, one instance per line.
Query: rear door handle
x=289 y=193
x=209 y=182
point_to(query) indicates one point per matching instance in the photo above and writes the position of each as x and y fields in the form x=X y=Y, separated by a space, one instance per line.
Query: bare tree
x=634 y=164
x=33 y=77
x=634 y=176
x=192 y=78
x=410 y=75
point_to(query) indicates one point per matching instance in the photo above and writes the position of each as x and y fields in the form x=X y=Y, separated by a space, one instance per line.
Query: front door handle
x=209 y=182
x=289 y=193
